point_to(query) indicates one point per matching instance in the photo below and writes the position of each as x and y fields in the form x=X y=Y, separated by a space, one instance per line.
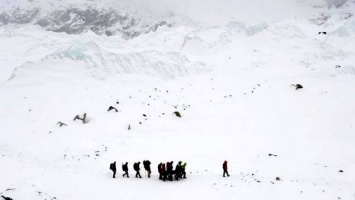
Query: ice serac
x=103 y=62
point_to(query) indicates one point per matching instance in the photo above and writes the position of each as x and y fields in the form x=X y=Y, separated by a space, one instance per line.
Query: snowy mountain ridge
x=136 y=56
x=109 y=17
x=80 y=17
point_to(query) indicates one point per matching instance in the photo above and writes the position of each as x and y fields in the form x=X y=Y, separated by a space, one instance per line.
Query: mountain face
x=76 y=20
x=108 y=17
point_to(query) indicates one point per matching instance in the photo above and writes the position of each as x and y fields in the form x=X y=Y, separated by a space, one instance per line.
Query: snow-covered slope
x=232 y=84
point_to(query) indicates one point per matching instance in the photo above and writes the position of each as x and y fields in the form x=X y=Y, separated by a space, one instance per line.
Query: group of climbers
x=166 y=171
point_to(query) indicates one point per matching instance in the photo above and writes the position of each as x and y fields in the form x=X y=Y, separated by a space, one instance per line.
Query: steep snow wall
x=102 y=56
x=103 y=63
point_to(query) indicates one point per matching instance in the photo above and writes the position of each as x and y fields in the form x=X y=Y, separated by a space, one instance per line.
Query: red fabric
x=225 y=167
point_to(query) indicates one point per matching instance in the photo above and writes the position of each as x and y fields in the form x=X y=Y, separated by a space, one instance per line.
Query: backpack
x=124 y=167
x=145 y=164
x=135 y=166
x=111 y=166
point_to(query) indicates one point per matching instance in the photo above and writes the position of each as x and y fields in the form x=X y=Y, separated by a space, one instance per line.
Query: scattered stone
x=83 y=119
x=278 y=178
x=112 y=108
x=341 y=171
x=272 y=182
x=337 y=66
x=177 y=114
x=6 y=198
x=144 y=115
x=61 y=124
x=129 y=127
x=297 y=86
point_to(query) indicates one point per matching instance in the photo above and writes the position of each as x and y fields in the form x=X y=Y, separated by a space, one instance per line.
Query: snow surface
x=232 y=84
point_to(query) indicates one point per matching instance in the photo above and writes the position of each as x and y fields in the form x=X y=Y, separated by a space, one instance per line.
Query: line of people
x=136 y=167
x=166 y=171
